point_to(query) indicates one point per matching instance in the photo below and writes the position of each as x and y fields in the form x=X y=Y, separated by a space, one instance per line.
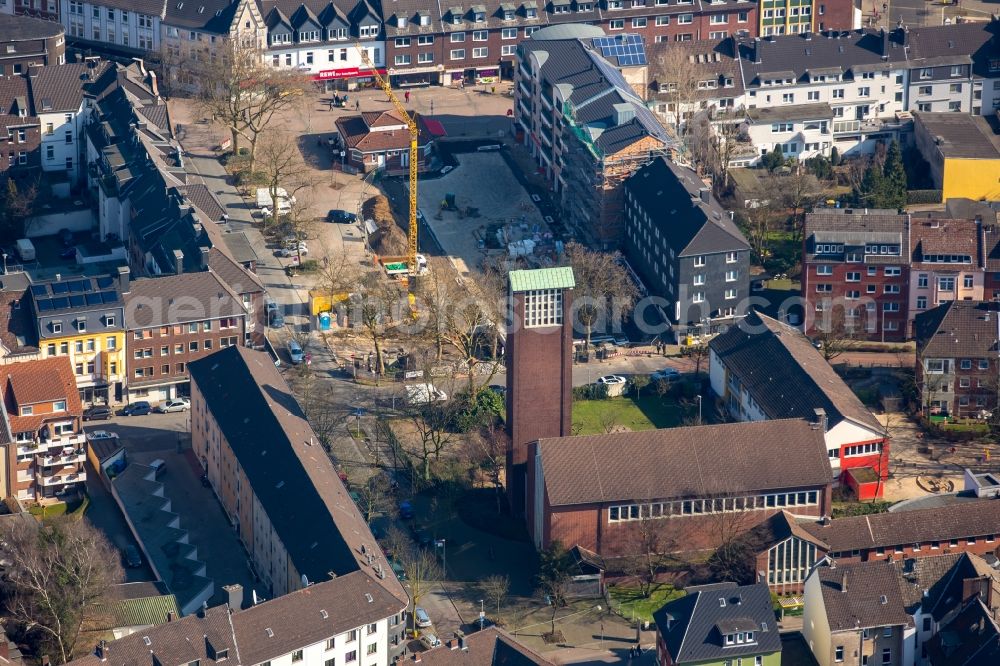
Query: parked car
x=292 y=250
x=295 y=353
x=97 y=413
x=341 y=216
x=430 y=641
x=665 y=375
x=132 y=557
x=174 y=405
x=423 y=619
x=406 y=511
x=611 y=380
x=275 y=319
x=95 y=435
x=138 y=408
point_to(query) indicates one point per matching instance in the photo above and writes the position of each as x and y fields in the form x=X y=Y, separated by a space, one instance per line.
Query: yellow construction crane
x=411 y=124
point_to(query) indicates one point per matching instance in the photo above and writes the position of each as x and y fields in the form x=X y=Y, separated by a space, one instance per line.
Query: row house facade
x=46 y=449
x=83 y=319
x=762 y=369
x=856 y=273
x=173 y=320
x=947 y=263
x=319 y=39
x=957 y=367
x=20 y=132
x=852 y=88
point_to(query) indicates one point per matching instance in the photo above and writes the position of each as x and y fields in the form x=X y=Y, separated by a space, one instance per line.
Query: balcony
x=62 y=480
x=546 y=101
x=846 y=126
x=523 y=89
x=72 y=457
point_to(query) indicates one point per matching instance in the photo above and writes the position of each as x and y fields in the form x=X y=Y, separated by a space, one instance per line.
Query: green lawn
x=630 y=603
x=592 y=417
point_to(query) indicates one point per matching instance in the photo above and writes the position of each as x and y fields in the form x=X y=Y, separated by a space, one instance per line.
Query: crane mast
x=411 y=124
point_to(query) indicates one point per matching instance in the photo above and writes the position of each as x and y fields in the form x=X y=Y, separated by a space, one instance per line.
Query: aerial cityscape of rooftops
x=363 y=332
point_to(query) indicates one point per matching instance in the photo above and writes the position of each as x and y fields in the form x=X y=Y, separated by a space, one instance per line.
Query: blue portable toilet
x=324 y=321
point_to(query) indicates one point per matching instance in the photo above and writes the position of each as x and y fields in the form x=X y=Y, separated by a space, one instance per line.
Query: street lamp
x=482 y=615
x=443 y=545
x=698 y=398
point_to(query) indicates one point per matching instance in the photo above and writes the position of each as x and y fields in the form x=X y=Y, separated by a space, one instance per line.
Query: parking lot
x=165 y=437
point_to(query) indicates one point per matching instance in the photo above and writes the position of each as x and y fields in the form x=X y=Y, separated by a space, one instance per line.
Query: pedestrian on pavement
x=357 y=105
x=406 y=96
x=331 y=105
x=493 y=90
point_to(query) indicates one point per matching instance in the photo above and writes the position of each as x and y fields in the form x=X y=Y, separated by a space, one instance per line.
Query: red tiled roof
x=357 y=135
x=34 y=382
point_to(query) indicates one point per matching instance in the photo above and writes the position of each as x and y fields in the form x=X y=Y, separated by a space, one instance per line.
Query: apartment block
x=856 y=272
x=686 y=248
x=286 y=502
x=46 y=447
x=957 y=367
x=172 y=321
x=29 y=42
x=585 y=144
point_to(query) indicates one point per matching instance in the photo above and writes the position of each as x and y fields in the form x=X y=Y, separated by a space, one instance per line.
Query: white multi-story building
x=851 y=89
x=323 y=45
x=64 y=98
x=130 y=27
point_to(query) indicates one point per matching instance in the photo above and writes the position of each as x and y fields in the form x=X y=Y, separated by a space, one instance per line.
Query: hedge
x=923 y=196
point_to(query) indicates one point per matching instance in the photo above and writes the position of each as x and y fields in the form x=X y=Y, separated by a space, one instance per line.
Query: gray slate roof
x=59 y=88
x=692 y=626
x=22 y=28
x=670 y=195
x=292 y=477
x=786 y=376
x=593 y=89
x=958 y=329
x=176 y=299
x=761 y=456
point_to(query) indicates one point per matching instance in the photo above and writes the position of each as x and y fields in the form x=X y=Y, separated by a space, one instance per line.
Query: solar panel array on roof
x=626 y=49
x=39 y=290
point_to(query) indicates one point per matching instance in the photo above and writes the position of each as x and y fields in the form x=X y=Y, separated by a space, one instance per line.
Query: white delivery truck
x=266 y=205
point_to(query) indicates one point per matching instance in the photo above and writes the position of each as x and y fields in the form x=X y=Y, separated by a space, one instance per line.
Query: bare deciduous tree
x=495 y=589
x=240 y=90
x=422 y=571
x=604 y=290
x=677 y=75
x=645 y=555
x=59 y=572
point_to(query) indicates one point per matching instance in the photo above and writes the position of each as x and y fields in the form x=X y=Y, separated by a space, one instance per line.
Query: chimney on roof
x=452 y=643
x=821 y=422
x=153 y=85
x=102 y=650
x=884 y=34
x=416 y=657
x=170 y=616
x=204 y=257
x=235 y=592
x=756 y=50
x=178 y=262
x=123 y=280
x=906 y=37
x=843 y=581
x=704 y=194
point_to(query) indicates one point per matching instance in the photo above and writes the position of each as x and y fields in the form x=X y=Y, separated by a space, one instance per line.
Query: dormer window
x=368 y=31
x=400 y=22
x=56 y=327
x=27 y=410
x=425 y=19
x=480 y=17
x=281 y=38
x=739 y=638
x=530 y=12
x=456 y=19
x=309 y=36
x=81 y=325
x=508 y=15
